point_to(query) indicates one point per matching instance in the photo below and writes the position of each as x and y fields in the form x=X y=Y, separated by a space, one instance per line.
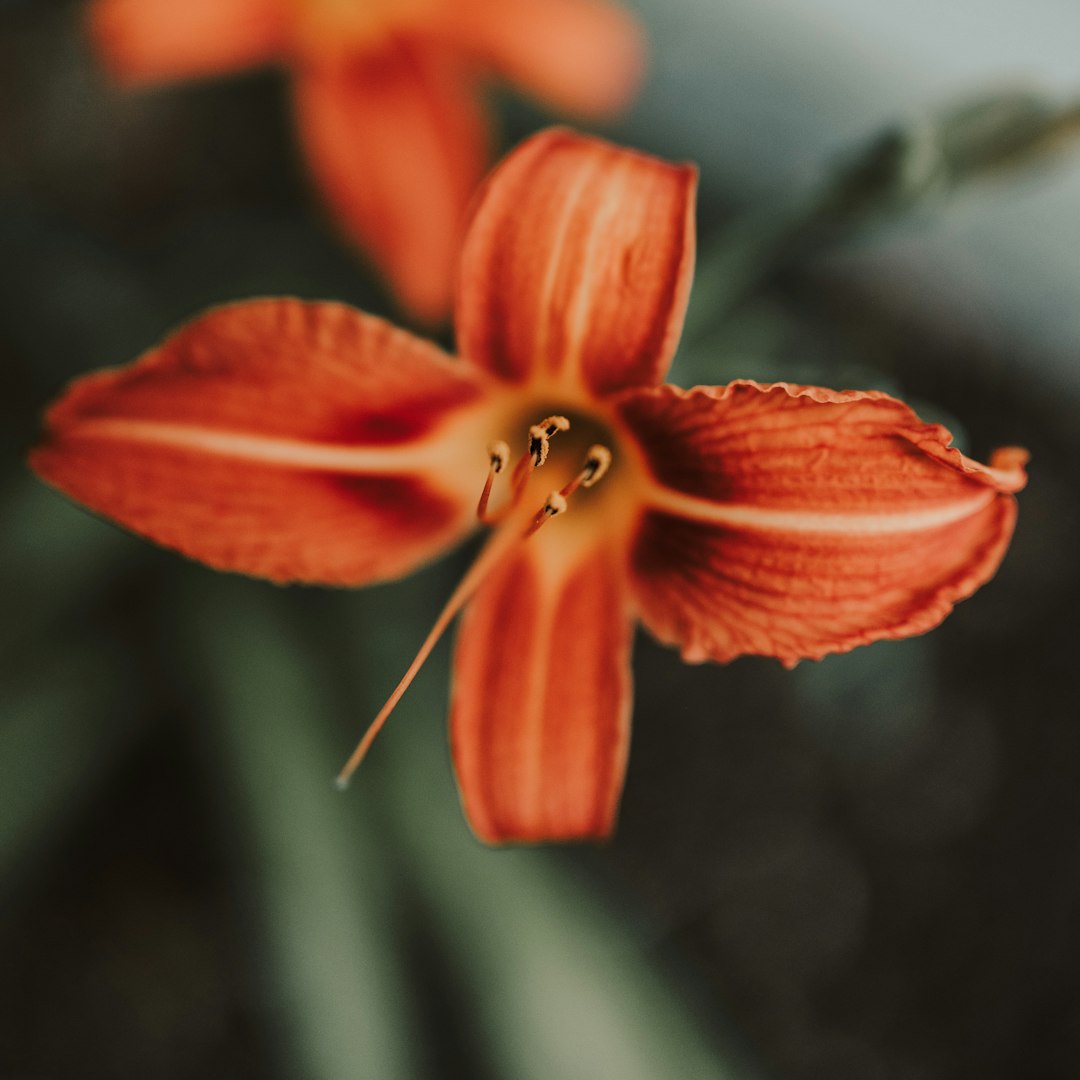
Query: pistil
x=504 y=541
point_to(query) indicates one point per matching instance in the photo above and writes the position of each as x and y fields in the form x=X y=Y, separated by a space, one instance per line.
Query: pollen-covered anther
x=540 y=438
x=537 y=453
x=554 y=505
x=498 y=456
x=597 y=463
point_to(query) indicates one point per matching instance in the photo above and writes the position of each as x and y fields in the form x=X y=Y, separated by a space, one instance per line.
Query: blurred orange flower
x=309 y=442
x=387 y=103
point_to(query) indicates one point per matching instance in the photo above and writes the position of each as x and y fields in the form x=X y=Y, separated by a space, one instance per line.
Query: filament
x=498 y=456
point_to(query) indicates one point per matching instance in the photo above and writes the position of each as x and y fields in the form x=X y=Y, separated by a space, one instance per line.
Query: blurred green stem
x=902 y=170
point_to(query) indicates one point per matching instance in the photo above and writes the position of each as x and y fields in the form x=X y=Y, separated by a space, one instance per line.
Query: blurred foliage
x=318 y=886
x=904 y=170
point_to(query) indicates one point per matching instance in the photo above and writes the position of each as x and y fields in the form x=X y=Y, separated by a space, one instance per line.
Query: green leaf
x=63 y=725
x=324 y=915
x=55 y=556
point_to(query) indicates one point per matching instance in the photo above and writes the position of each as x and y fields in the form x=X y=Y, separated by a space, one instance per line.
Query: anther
x=539 y=444
x=553 y=424
x=554 y=505
x=498 y=456
x=540 y=438
x=597 y=462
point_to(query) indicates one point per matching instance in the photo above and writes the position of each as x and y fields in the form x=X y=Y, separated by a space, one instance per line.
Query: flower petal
x=577 y=265
x=540 y=719
x=585 y=57
x=398 y=143
x=795 y=522
x=289 y=440
x=149 y=41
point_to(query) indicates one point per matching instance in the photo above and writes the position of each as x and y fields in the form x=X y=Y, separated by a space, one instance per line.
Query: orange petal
x=577 y=265
x=398 y=143
x=148 y=41
x=795 y=522
x=585 y=57
x=289 y=440
x=540 y=720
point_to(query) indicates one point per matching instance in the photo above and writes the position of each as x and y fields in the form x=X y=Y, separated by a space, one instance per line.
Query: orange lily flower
x=386 y=99
x=309 y=442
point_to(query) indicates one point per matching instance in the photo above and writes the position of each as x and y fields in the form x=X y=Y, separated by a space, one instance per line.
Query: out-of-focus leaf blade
x=53 y=555
x=324 y=915
x=63 y=724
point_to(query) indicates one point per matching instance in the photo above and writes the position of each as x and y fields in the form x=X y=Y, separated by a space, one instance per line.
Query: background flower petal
x=540 y=715
x=577 y=265
x=577 y=56
x=148 y=41
x=289 y=440
x=794 y=521
x=398 y=143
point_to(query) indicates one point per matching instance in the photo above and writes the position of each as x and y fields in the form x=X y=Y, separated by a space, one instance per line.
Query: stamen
x=499 y=453
x=554 y=505
x=498 y=456
x=535 y=455
x=597 y=462
x=539 y=444
x=540 y=438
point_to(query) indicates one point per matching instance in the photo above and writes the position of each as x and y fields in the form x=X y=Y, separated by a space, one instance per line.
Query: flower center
x=541 y=461
x=516 y=526
x=593 y=466
x=343 y=26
